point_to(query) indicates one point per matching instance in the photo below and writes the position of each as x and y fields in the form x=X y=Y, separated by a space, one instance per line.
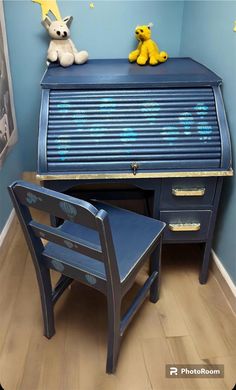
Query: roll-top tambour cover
x=112 y=117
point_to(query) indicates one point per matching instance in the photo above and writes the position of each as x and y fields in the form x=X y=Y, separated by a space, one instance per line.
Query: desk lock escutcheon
x=134 y=167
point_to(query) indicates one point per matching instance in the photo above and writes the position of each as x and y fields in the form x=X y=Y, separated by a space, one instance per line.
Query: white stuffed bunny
x=61 y=47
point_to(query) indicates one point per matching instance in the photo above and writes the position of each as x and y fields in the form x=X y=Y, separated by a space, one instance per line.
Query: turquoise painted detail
x=128 y=135
x=203 y=123
x=107 y=107
x=32 y=198
x=62 y=152
x=79 y=114
x=97 y=132
x=79 y=120
x=69 y=244
x=170 y=130
x=107 y=99
x=150 y=118
x=201 y=107
x=170 y=138
x=186 y=119
x=63 y=146
x=151 y=108
x=57 y=265
x=68 y=209
x=204 y=129
x=61 y=141
x=202 y=113
x=205 y=139
x=63 y=105
x=90 y=279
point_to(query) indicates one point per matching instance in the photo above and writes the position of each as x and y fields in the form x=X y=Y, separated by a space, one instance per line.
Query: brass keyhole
x=134 y=166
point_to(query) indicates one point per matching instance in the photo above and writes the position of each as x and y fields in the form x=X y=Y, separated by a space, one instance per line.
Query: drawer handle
x=184 y=227
x=190 y=192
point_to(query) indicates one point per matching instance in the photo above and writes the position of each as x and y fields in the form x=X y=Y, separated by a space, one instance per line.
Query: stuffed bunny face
x=58 y=29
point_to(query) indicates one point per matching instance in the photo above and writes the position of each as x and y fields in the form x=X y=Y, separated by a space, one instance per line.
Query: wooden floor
x=189 y=324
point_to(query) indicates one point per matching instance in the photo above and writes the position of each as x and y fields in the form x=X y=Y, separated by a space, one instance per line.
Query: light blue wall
x=208 y=37
x=11 y=171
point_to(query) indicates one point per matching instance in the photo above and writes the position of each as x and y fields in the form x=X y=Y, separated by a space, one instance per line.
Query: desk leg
x=203 y=276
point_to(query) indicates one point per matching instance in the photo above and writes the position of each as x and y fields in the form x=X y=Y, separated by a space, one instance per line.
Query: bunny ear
x=150 y=25
x=68 y=20
x=46 y=22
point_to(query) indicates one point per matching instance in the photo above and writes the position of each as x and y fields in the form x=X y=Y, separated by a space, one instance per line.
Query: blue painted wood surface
x=176 y=122
x=101 y=73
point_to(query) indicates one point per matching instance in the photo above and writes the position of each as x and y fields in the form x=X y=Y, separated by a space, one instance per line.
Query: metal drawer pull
x=184 y=227
x=190 y=192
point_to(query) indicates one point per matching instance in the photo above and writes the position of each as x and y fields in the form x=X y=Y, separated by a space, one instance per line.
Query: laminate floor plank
x=185 y=352
x=208 y=338
x=156 y=355
x=25 y=317
x=11 y=274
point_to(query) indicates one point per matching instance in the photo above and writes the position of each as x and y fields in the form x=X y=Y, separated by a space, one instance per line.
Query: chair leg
x=155 y=265
x=45 y=288
x=114 y=337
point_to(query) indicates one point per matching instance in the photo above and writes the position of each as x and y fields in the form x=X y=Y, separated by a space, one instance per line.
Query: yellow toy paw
x=141 y=60
x=163 y=56
x=133 y=55
x=153 y=61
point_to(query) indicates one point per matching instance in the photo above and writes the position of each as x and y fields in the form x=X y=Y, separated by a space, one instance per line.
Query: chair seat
x=133 y=234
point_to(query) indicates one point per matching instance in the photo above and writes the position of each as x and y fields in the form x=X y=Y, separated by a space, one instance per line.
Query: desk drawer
x=186 y=225
x=187 y=192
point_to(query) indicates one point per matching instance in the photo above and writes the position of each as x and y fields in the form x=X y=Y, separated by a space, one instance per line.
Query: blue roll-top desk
x=161 y=129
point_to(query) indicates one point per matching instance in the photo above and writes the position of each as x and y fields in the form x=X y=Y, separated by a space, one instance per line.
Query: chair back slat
x=59 y=205
x=95 y=242
x=67 y=240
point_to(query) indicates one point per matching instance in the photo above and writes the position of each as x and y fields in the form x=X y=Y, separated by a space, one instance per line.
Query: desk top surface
x=174 y=72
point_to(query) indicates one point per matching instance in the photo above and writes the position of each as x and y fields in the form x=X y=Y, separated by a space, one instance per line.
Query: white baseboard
x=224 y=273
x=224 y=280
x=6 y=227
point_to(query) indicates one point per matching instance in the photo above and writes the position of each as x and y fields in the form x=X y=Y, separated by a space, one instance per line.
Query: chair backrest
x=26 y=195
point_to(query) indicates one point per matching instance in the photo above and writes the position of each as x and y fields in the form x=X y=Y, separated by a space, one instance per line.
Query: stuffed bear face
x=58 y=29
x=143 y=33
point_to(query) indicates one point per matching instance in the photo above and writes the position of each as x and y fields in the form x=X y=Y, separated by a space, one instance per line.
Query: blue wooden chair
x=98 y=244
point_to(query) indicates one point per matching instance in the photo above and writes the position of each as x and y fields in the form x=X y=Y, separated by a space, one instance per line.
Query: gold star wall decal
x=49 y=6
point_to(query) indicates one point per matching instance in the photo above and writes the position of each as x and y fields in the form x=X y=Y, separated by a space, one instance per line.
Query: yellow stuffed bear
x=147 y=49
